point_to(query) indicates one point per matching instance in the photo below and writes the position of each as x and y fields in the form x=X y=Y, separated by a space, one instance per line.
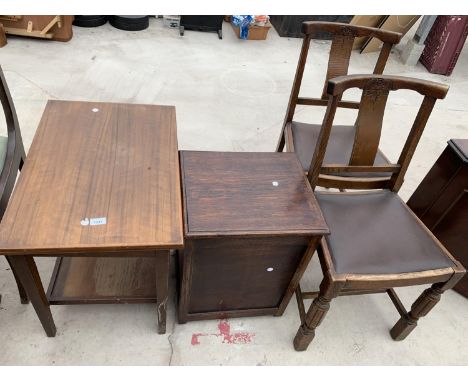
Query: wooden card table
x=100 y=190
x=251 y=225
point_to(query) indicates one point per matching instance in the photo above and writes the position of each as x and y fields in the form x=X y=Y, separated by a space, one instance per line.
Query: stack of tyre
x=126 y=23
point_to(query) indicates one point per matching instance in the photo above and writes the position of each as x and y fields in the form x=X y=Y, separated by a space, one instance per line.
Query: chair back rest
x=343 y=36
x=15 y=154
x=375 y=90
x=7 y=104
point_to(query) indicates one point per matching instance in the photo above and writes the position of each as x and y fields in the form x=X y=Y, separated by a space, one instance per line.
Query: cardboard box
x=372 y=21
x=51 y=27
x=255 y=32
x=3 y=40
x=394 y=23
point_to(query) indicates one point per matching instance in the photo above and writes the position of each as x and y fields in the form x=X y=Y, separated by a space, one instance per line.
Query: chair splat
x=369 y=122
x=340 y=54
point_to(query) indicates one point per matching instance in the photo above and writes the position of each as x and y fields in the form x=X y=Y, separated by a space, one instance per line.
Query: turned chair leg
x=422 y=306
x=314 y=317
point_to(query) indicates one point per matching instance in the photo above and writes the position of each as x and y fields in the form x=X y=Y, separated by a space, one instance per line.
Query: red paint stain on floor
x=195 y=338
x=224 y=331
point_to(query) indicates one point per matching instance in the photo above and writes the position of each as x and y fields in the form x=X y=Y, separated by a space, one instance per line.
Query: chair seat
x=338 y=150
x=375 y=233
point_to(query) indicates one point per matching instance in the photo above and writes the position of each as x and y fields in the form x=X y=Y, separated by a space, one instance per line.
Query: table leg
x=301 y=268
x=23 y=296
x=25 y=268
x=162 y=287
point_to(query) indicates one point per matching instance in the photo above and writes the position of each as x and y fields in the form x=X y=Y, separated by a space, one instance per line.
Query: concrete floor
x=230 y=95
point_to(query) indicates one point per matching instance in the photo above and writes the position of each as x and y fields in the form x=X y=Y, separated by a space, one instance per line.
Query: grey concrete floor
x=230 y=95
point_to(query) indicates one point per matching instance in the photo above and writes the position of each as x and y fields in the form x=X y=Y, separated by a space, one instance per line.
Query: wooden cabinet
x=441 y=202
x=251 y=225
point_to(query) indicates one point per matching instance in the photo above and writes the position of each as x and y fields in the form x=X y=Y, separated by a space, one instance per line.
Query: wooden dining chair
x=12 y=157
x=302 y=137
x=376 y=242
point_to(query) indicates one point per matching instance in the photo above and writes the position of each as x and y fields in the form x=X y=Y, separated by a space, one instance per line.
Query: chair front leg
x=422 y=306
x=315 y=315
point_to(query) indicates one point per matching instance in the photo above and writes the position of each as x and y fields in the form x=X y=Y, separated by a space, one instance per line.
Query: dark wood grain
x=15 y=155
x=231 y=274
x=119 y=162
x=162 y=287
x=311 y=27
x=339 y=85
x=324 y=102
x=100 y=280
x=14 y=160
x=441 y=202
x=93 y=160
x=26 y=270
x=338 y=61
x=233 y=193
x=377 y=243
x=343 y=37
x=247 y=241
x=293 y=98
x=221 y=314
x=368 y=126
x=383 y=57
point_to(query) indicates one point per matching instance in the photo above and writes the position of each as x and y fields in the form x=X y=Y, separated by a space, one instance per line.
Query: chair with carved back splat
x=302 y=137
x=12 y=157
x=376 y=242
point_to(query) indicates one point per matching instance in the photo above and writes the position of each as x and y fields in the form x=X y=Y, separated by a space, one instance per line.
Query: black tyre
x=89 y=21
x=129 y=23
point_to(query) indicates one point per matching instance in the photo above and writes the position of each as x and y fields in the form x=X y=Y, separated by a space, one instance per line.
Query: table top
x=254 y=194
x=98 y=177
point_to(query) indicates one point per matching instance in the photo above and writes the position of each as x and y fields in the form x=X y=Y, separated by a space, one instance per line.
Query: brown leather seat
x=339 y=147
x=375 y=233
